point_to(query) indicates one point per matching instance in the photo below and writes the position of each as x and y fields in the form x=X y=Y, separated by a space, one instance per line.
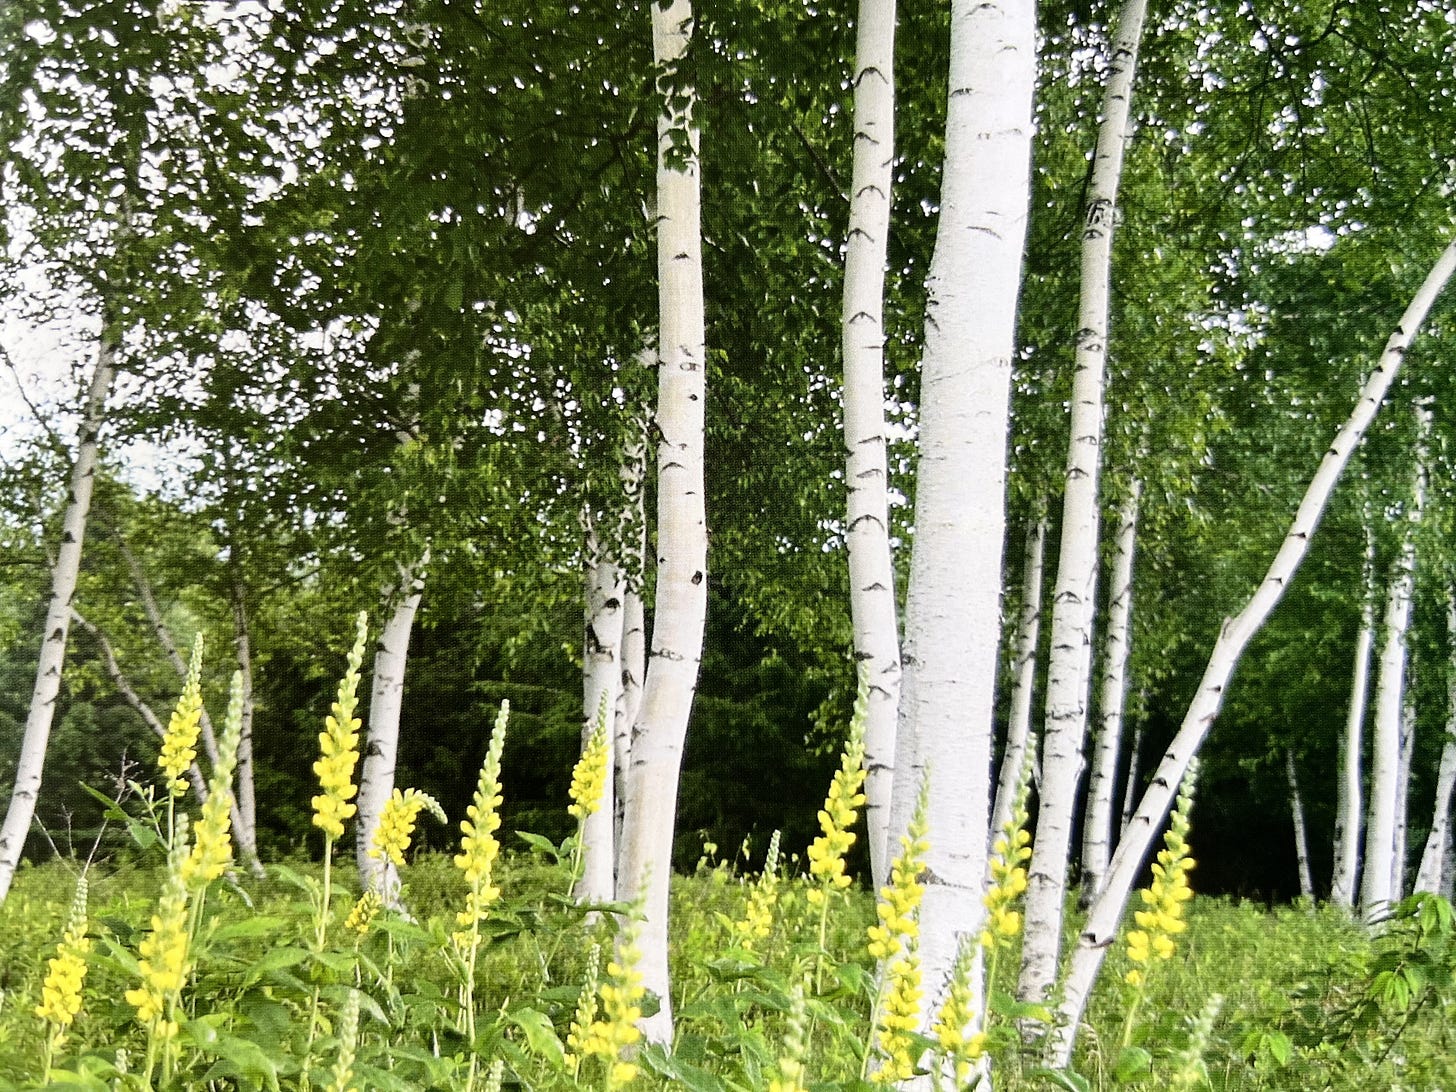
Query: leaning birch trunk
x=1430 y=876
x=871 y=568
x=1069 y=658
x=1301 y=834
x=682 y=538
x=386 y=703
x=948 y=695
x=1028 y=631
x=164 y=637
x=1379 y=884
x=1130 y=789
x=245 y=798
x=1097 y=828
x=1234 y=636
x=1346 y=871
x=132 y=698
x=606 y=588
x=31 y=764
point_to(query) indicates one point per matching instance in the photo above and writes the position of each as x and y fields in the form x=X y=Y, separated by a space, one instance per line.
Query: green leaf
x=240 y=1058
x=541 y=1038
x=260 y=925
x=1064 y=1078
x=1133 y=1063
x=679 y=1071
x=272 y=961
x=540 y=844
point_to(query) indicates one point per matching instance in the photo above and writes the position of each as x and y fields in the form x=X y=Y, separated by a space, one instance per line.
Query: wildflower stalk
x=396 y=826
x=163 y=964
x=836 y=819
x=212 y=850
x=343 y=1071
x=586 y=1014
x=1161 y=918
x=613 y=1033
x=758 y=914
x=791 y=1067
x=179 y=745
x=478 y=852
x=588 y=787
x=339 y=754
x=957 y=1050
x=61 y=992
x=894 y=944
x=1009 y=854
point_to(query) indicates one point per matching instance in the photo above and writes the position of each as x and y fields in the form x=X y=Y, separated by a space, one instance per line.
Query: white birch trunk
x=682 y=540
x=1130 y=790
x=1431 y=875
x=1028 y=631
x=31 y=764
x=606 y=589
x=947 y=701
x=1301 y=834
x=381 y=747
x=1346 y=871
x=245 y=804
x=871 y=568
x=1097 y=828
x=1380 y=884
x=1069 y=659
x=1398 y=866
x=1234 y=636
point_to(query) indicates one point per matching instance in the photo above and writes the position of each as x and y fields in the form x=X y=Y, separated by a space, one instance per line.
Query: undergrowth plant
x=486 y=974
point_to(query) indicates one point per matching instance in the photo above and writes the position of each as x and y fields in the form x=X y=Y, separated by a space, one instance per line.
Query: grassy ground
x=1297 y=999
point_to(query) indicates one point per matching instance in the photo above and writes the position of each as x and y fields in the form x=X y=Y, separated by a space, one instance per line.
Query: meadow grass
x=157 y=970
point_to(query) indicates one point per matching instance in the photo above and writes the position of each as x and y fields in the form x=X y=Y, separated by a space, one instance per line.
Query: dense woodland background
x=377 y=275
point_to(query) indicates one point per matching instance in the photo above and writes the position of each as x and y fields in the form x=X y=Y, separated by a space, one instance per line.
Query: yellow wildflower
x=479 y=848
x=758 y=915
x=615 y=1032
x=179 y=745
x=893 y=943
x=1009 y=854
x=586 y=1013
x=955 y=1047
x=213 y=850
x=841 y=809
x=61 y=992
x=339 y=746
x=1164 y=901
x=364 y=912
x=163 y=964
x=397 y=823
x=589 y=776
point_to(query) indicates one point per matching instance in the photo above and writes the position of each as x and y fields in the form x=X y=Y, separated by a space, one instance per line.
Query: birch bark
x=606 y=589
x=1301 y=834
x=386 y=703
x=682 y=540
x=1430 y=876
x=1069 y=660
x=1234 y=636
x=31 y=764
x=1346 y=869
x=1130 y=789
x=871 y=568
x=1097 y=828
x=951 y=639
x=245 y=800
x=1380 y=884
x=1028 y=632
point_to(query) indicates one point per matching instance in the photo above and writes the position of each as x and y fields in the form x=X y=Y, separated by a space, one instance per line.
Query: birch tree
x=950 y=654
x=606 y=590
x=1069 y=660
x=682 y=541
x=1233 y=638
x=866 y=475
x=1383 y=852
x=1097 y=823
x=1431 y=875
x=1023 y=686
x=1301 y=835
x=64 y=573
x=1346 y=871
